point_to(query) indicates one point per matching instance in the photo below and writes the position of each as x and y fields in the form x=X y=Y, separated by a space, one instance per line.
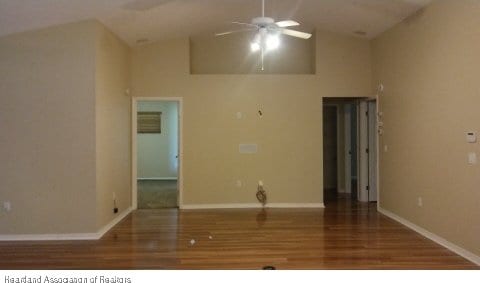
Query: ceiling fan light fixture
x=268 y=32
x=272 y=42
x=254 y=46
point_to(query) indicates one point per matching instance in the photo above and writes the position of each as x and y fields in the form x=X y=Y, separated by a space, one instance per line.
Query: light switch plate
x=472 y=158
x=7 y=206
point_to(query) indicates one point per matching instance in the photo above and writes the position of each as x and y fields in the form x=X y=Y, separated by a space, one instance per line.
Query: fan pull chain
x=262 y=55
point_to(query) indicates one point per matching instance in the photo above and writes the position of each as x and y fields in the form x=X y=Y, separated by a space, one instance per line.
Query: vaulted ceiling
x=135 y=20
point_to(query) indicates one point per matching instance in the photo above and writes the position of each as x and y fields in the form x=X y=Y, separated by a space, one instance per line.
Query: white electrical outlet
x=260 y=183
x=471 y=137
x=239 y=183
x=248 y=148
x=420 y=201
x=7 y=206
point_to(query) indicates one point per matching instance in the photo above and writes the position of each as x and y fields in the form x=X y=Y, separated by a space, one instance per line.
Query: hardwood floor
x=342 y=236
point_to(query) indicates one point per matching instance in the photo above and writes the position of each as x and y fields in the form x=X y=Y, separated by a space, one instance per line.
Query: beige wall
x=231 y=55
x=67 y=150
x=113 y=122
x=47 y=117
x=289 y=134
x=157 y=153
x=430 y=66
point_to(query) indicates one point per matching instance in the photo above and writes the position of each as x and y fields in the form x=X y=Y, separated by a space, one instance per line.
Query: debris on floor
x=210 y=237
x=192 y=242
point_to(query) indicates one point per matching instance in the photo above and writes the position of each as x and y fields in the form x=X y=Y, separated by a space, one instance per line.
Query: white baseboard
x=251 y=205
x=296 y=205
x=114 y=222
x=219 y=206
x=67 y=237
x=49 y=237
x=158 y=179
x=437 y=239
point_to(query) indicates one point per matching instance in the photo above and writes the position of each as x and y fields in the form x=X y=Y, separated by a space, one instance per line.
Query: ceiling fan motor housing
x=263 y=21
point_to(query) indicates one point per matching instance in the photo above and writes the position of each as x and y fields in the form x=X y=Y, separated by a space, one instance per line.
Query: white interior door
x=372 y=152
x=348 y=148
x=367 y=120
x=363 y=151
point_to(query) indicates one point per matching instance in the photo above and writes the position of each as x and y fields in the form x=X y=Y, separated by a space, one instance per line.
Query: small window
x=149 y=122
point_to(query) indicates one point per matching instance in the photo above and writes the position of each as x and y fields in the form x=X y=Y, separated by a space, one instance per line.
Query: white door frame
x=377 y=135
x=372 y=155
x=362 y=154
x=348 y=147
x=135 y=100
x=364 y=166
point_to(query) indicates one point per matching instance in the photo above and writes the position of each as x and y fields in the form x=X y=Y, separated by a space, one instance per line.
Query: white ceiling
x=156 y=19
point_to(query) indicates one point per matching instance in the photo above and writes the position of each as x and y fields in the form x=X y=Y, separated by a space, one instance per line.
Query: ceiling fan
x=268 y=32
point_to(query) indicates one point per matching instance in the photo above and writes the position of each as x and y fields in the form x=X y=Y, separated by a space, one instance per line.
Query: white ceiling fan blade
x=245 y=24
x=295 y=33
x=234 y=31
x=288 y=23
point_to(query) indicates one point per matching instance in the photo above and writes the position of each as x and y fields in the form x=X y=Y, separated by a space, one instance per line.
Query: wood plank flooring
x=343 y=236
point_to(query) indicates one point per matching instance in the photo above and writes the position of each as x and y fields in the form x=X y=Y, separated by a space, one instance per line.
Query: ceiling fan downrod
x=263 y=8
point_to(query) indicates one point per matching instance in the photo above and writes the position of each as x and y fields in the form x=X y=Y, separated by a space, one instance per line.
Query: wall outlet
x=260 y=183
x=238 y=183
x=7 y=206
x=115 y=208
x=420 y=201
x=471 y=137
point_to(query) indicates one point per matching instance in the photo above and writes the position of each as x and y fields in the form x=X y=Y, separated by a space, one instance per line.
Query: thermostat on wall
x=471 y=137
x=248 y=148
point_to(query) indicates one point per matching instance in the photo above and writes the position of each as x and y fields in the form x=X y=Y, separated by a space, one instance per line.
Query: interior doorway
x=350 y=112
x=330 y=156
x=350 y=149
x=156 y=142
